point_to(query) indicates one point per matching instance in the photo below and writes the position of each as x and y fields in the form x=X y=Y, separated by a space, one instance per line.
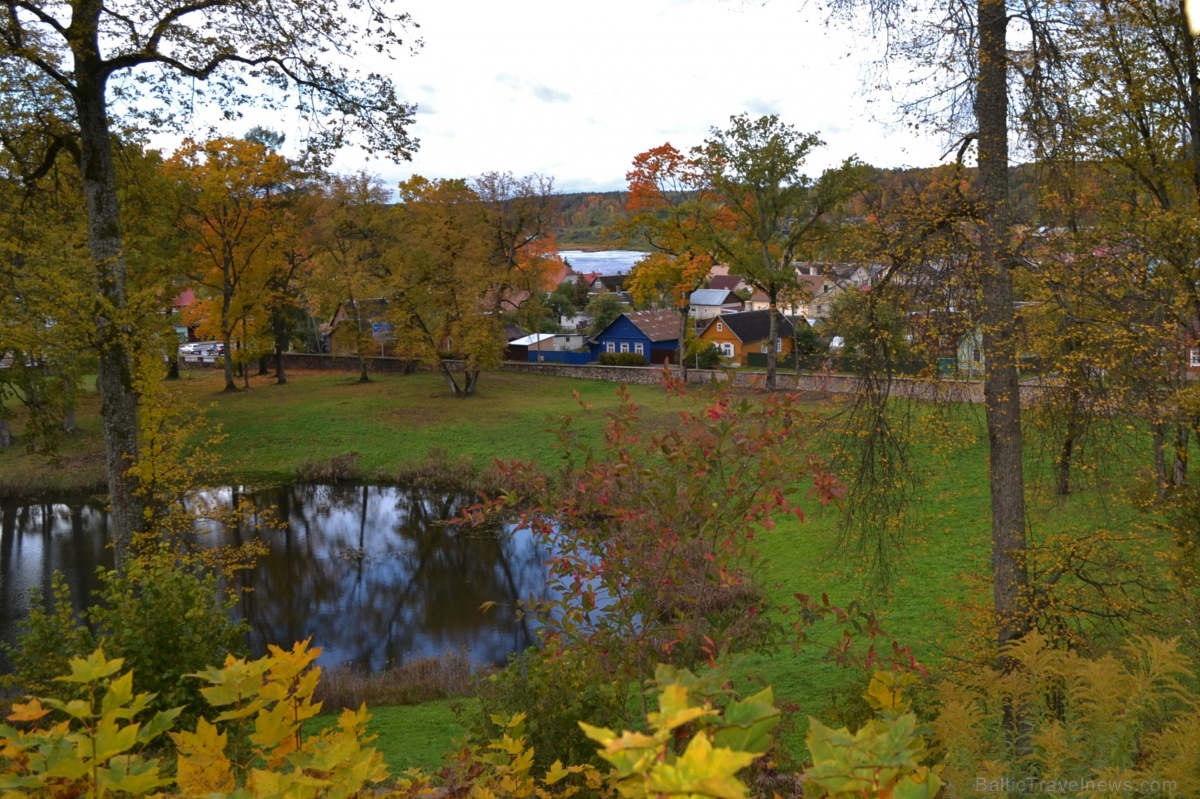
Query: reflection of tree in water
x=376 y=577
x=372 y=574
x=69 y=536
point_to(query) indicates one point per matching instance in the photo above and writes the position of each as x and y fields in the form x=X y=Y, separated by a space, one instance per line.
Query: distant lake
x=606 y=262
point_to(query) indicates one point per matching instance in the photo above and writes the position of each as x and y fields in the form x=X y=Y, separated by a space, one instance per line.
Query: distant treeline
x=587 y=220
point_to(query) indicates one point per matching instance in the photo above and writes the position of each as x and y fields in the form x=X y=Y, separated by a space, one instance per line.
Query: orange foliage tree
x=671 y=211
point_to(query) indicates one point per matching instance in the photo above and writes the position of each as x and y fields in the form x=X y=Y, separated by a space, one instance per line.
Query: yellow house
x=736 y=335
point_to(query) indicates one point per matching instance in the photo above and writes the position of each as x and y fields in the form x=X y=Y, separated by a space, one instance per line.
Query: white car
x=201 y=348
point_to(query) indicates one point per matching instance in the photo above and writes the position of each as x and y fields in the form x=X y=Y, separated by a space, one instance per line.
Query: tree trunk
x=280 y=343
x=772 y=333
x=114 y=380
x=5 y=433
x=683 y=326
x=449 y=377
x=227 y=359
x=1001 y=385
x=1180 y=466
x=173 y=368
x=1064 y=464
x=264 y=367
x=1160 y=460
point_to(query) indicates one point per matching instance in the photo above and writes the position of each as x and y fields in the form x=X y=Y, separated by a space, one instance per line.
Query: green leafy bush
x=555 y=692
x=622 y=359
x=164 y=617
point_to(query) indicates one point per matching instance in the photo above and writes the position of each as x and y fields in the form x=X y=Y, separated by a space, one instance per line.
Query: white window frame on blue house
x=610 y=347
x=624 y=346
x=639 y=349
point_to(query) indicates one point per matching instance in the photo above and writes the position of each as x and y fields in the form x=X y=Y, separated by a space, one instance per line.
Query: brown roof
x=657 y=325
x=812 y=283
x=727 y=282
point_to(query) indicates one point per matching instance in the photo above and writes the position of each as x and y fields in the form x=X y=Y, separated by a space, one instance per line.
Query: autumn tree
x=469 y=254
x=671 y=211
x=963 y=66
x=443 y=286
x=754 y=169
x=1133 y=116
x=304 y=56
x=353 y=233
x=230 y=200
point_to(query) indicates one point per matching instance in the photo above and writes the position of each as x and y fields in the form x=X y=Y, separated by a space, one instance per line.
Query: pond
x=372 y=573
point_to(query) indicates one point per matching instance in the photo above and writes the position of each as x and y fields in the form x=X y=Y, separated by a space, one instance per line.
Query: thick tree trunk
x=1000 y=382
x=114 y=380
x=173 y=368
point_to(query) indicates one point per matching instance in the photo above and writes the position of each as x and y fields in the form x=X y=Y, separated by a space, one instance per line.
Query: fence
x=554 y=356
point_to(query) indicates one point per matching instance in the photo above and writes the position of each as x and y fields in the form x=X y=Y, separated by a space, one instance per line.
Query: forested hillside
x=587 y=220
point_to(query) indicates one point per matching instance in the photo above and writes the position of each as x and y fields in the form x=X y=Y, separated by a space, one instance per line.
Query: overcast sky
x=576 y=89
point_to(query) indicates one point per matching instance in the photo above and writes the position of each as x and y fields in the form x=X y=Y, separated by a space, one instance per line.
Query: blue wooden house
x=653 y=334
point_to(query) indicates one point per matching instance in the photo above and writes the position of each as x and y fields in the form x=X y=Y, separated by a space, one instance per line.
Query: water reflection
x=371 y=573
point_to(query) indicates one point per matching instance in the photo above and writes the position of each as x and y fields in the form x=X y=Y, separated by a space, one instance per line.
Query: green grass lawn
x=399 y=420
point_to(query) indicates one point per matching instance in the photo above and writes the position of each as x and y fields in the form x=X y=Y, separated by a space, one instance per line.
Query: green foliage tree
x=603 y=308
x=754 y=169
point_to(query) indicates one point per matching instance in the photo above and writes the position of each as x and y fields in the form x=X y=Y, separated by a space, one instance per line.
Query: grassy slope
x=397 y=420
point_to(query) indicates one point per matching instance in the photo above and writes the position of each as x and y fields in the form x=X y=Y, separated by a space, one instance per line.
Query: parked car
x=202 y=349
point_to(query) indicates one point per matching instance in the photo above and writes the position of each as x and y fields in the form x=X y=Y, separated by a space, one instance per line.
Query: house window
x=624 y=346
x=1194 y=359
x=720 y=327
x=610 y=347
x=727 y=349
x=638 y=348
x=779 y=345
x=762 y=348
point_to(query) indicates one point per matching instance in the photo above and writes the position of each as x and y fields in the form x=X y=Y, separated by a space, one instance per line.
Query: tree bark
x=683 y=326
x=1001 y=385
x=1160 y=460
x=114 y=381
x=772 y=333
x=1180 y=468
x=280 y=342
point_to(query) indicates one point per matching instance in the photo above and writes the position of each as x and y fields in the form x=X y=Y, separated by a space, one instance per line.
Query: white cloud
x=576 y=90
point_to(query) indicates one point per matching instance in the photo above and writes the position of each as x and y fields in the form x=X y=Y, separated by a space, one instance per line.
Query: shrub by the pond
x=165 y=617
x=653 y=542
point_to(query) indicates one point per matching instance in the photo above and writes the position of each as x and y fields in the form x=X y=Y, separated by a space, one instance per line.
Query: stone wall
x=927 y=390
